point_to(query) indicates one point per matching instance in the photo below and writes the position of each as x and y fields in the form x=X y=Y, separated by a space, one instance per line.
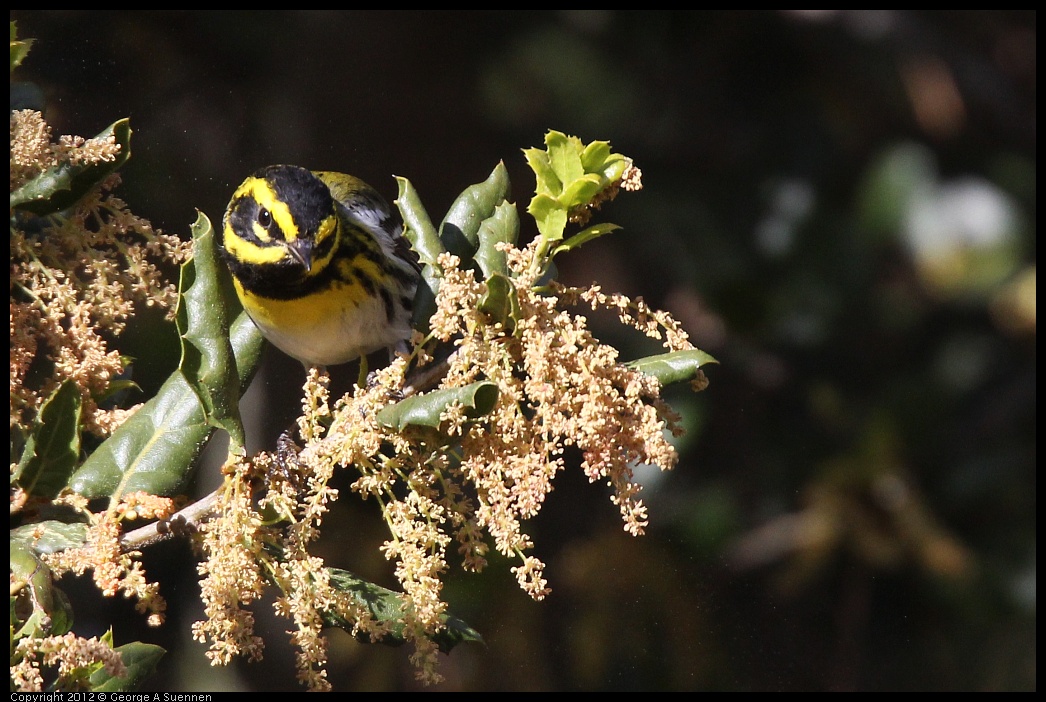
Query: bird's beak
x=301 y=251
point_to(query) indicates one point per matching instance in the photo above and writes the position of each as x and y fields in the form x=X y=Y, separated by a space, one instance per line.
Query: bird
x=320 y=264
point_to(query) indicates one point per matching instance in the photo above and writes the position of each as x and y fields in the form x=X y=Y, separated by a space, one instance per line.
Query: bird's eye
x=264 y=218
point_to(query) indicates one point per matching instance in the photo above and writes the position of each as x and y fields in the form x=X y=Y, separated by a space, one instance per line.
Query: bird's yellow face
x=281 y=229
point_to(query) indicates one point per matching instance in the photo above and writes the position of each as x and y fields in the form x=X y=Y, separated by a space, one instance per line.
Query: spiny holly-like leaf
x=574 y=172
x=585 y=235
x=425 y=240
x=597 y=158
x=43 y=609
x=62 y=186
x=19 y=48
x=155 y=450
x=208 y=361
x=419 y=229
x=459 y=231
x=595 y=155
x=550 y=215
x=502 y=227
x=583 y=190
x=425 y=410
x=387 y=606
x=501 y=301
x=547 y=181
x=564 y=155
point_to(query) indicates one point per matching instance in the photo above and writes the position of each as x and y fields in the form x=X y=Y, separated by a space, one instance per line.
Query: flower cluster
x=558 y=387
x=78 y=270
x=76 y=277
x=70 y=656
x=246 y=548
x=232 y=576
x=114 y=570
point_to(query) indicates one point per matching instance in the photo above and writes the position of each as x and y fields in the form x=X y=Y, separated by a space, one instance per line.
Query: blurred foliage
x=838 y=205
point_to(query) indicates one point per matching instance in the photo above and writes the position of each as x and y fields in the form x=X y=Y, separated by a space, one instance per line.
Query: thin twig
x=181 y=522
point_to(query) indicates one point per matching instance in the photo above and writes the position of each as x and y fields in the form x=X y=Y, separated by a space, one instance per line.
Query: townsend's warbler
x=320 y=264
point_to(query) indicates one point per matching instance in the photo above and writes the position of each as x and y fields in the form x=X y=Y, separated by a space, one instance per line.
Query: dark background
x=840 y=206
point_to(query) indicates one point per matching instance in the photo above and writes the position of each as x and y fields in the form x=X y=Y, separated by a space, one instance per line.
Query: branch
x=184 y=521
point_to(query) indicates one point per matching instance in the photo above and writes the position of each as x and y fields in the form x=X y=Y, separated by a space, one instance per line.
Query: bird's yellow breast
x=328 y=327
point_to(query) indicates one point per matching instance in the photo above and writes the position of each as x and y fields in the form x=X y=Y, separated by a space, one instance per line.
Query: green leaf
x=425 y=410
x=550 y=215
x=597 y=158
x=53 y=449
x=460 y=228
x=61 y=186
x=117 y=387
x=426 y=242
x=582 y=190
x=139 y=658
x=19 y=49
x=501 y=227
x=39 y=609
x=418 y=227
x=50 y=536
x=47 y=610
x=564 y=155
x=155 y=450
x=425 y=298
x=203 y=322
x=387 y=606
x=548 y=183
x=500 y=301
x=674 y=367
x=585 y=235
x=595 y=155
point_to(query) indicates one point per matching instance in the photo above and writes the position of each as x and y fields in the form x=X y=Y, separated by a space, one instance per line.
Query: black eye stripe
x=241 y=218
